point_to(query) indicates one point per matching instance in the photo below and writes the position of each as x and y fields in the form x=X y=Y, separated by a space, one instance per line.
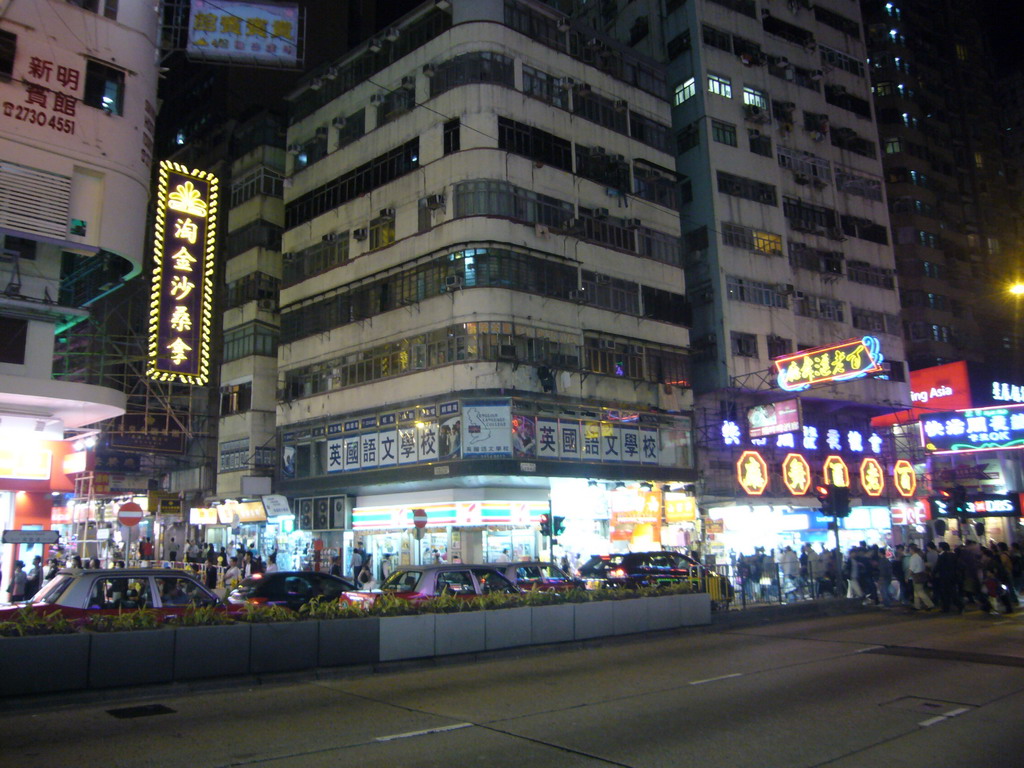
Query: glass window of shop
x=513 y=544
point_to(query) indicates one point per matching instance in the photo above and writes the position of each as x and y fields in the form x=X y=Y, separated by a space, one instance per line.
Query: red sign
x=774 y=418
x=846 y=360
x=910 y=515
x=419 y=518
x=129 y=514
x=940 y=388
x=752 y=473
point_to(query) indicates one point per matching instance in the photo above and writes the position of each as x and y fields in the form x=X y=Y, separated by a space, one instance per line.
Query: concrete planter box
x=593 y=620
x=696 y=609
x=459 y=633
x=664 y=612
x=507 y=628
x=285 y=646
x=215 y=651
x=630 y=616
x=552 y=624
x=142 y=657
x=406 y=637
x=43 y=664
x=343 y=642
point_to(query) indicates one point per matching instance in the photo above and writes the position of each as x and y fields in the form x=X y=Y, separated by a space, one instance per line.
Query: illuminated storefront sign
x=872 y=477
x=181 y=302
x=796 y=474
x=980 y=505
x=809 y=438
x=680 y=508
x=835 y=472
x=229 y=513
x=25 y=463
x=773 y=418
x=456 y=513
x=916 y=515
x=989 y=429
x=849 y=359
x=224 y=30
x=752 y=473
x=905 y=478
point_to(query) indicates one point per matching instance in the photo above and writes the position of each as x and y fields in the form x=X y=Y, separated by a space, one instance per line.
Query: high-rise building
x=78 y=86
x=482 y=309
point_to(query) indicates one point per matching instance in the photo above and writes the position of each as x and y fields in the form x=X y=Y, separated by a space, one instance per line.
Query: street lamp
x=1017 y=289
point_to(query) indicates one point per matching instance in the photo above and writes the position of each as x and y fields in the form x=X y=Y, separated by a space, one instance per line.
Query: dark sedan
x=292 y=589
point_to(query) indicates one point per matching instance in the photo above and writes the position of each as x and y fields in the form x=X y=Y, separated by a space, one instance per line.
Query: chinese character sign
x=181 y=301
x=849 y=359
x=872 y=477
x=244 y=32
x=988 y=429
x=796 y=474
x=752 y=473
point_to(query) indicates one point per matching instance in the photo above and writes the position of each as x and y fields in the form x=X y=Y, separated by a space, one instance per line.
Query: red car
x=80 y=593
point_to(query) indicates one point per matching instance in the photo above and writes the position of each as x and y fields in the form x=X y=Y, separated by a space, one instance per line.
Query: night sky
x=1006 y=28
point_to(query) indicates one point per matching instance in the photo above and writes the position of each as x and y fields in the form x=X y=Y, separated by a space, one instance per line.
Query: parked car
x=79 y=593
x=292 y=589
x=645 y=569
x=536 y=574
x=422 y=582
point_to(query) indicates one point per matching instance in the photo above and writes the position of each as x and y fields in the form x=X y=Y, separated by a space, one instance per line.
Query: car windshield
x=402 y=581
x=53 y=589
x=599 y=565
x=492 y=581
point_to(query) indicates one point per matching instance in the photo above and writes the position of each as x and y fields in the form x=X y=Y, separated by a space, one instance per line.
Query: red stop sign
x=419 y=518
x=129 y=513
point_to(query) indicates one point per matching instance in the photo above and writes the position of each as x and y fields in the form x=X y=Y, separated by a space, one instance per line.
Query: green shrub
x=267 y=614
x=30 y=623
x=389 y=605
x=201 y=616
x=322 y=608
x=538 y=597
x=125 y=621
x=493 y=601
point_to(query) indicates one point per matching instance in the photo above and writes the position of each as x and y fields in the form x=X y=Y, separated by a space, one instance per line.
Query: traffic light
x=959 y=497
x=824 y=494
x=545 y=525
x=840 y=500
x=557 y=525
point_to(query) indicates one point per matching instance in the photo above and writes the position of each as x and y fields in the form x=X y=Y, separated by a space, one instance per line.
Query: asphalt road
x=875 y=688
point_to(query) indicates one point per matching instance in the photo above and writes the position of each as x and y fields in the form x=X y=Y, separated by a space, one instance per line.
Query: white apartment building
x=482 y=308
x=77 y=110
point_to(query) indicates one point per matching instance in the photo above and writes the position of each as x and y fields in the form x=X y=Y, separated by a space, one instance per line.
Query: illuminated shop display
x=872 y=477
x=988 y=429
x=181 y=302
x=905 y=478
x=850 y=359
x=796 y=474
x=773 y=418
x=244 y=33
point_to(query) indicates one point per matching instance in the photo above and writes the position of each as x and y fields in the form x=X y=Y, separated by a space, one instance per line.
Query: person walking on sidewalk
x=919 y=577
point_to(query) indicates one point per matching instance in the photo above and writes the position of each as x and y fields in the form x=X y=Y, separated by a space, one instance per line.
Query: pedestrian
x=246 y=566
x=16 y=587
x=172 y=551
x=1006 y=560
x=336 y=569
x=193 y=552
x=502 y=558
x=789 y=566
x=919 y=577
x=211 y=572
x=76 y=561
x=882 y=566
x=356 y=561
x=386 y=567
x=34 y=580
x=946 y=580
x=854 y=587
x=52 y=571
x=1017 y=567
x=233 y=575
x=271 y=564
x=898 y=573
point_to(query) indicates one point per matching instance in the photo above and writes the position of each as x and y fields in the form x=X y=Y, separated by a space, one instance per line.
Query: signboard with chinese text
x=181 y=301
x=988 y=429
x=904 y=478
x=872 y=478
x=240 y=32
x=796 y=474
x=752 y=473
x=835 y=472
x=850 y=359
x=773 y=418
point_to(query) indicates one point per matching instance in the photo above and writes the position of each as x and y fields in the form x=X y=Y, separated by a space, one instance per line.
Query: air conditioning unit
x=429 y=70
x=601 y=213
x=597 y=151
x=331 y=73
x=582 y=88
x=339 y=122
x=799 y=295
x=835 y=233
x=393 y=34
x=295 y=148
x=452 y=282
x=633 y=223
x=756 y=114
x=572 y=224
x=360 y=233
x=621 y=105
x=377 y=99
x=786 y=289
x=801 y=178
x=387 y=213
x=268 y=305
x=321 y=131
x=435 y=201
x=817 y=74
x=790 y=72
x=563 y=24
x=443 y=5
x=316 y=85
x=616 y=158
x=288 y=257
x=564 y=82
x=375 y=45
x=579 y=296
x=330 y=237
x=408 y=83
x=507 y=352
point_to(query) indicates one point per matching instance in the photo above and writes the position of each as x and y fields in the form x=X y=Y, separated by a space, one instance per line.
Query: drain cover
x=146 y=710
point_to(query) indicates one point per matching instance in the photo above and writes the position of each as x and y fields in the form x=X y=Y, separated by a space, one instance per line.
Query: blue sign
x=988 y=429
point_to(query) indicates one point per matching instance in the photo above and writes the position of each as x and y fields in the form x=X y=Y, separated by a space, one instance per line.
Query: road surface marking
x=945 y=716
x=955 y=712
x=868 y=650
x=411 y=734
x=715 y=679
x=932 y=721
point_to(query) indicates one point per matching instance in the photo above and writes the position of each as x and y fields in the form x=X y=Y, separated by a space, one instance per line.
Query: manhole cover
x=926 y=706
x=146 y=710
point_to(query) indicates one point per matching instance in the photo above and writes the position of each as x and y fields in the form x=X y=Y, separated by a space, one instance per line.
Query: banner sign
x=850 y=359
x=181 y=301
x=237 y=32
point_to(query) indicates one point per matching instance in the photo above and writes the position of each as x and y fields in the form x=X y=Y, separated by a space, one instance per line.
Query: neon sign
x=181 y=299
x=872 y=478
x=752 y=473
x=796 y=474
x=836 y=472
x=905 y=478
x=850 y=359
x=990 y=429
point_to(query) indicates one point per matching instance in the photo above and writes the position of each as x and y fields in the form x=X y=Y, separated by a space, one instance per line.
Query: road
x=875 y=688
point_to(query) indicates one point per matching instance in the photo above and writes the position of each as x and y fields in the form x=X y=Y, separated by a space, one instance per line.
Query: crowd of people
x=923 y=578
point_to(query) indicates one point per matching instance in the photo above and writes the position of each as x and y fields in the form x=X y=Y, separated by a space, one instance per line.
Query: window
x=543 y=86
x=104 y=87
x=755 y=97
x=261 y=181
x=750 y=189
x=13 y=338
x=251 y=339
x=716 y=38
x=778 y=346
x=678 y=45
x=8 y=48
x=650 y=132
x=234 y=455
x=535 y=144
x=754 y=292
x=452 y=131
x=685 y=91
x=744 y=344
x=723 y=133
x=236 y=398
x=382 y=232
x=689 y=137
x=760 y=144
x=738 y=236
x=476 y=67
x=354 y=128
x=720 y=86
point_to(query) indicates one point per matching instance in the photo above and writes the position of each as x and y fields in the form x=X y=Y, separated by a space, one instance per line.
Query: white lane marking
x=932 y=721
x=944 y=716
x=715 y=679
x=955 y=712
x=868 y=650
x=411 y=734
